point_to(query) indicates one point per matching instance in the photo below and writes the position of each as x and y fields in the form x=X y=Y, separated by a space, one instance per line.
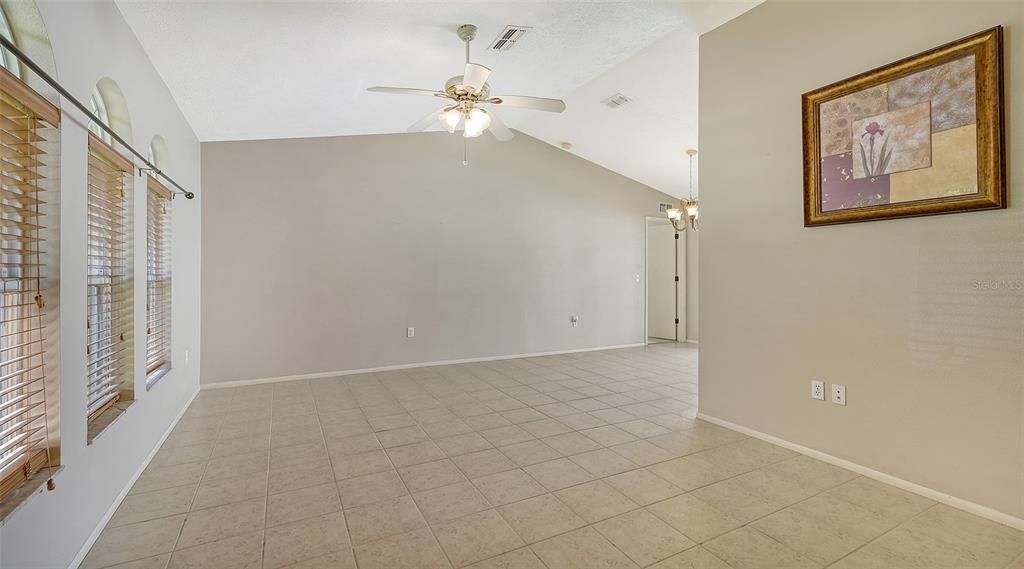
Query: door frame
x=680 y=284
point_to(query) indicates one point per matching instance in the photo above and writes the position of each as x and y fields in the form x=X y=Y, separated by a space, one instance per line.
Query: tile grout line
x=416 y=504
x=547 y=491
x=528 y=545
x=1015 y=560
x=643 y=507
x=206 y=466
x=266 y=496
x=334 y=480
x=492 y=506
x=886 y=532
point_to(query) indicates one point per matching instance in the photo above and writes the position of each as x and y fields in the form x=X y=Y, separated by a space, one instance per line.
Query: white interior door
x=661 y=283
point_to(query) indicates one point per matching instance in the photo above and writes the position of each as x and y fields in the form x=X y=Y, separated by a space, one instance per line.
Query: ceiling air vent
x=616 y=101
x=508 y=37
x=663 y=207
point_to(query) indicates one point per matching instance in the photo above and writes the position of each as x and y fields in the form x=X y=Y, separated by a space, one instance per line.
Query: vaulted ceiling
x=257 y=70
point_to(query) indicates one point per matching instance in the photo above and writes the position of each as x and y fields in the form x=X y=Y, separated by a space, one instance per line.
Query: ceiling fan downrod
x=467 y=33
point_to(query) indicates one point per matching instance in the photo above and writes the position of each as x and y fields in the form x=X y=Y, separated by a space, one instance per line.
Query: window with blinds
x=109 y=299
x=158 y=280
x=29 y=139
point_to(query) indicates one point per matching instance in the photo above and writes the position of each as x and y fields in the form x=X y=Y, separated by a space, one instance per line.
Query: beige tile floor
x=581 y=461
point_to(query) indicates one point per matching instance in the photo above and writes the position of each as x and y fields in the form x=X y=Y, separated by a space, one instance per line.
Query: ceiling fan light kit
x=466 y=93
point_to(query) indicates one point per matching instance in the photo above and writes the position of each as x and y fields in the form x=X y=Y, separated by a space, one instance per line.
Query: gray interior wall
x=319 y=253
x=899 y=311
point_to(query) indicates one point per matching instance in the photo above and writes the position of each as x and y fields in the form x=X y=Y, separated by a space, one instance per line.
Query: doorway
x=666 y=282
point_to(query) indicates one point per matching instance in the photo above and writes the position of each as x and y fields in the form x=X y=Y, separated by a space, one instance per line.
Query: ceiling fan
x=465 y=93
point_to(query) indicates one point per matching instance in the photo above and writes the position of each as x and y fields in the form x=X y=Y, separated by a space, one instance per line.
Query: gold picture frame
x=896 y=141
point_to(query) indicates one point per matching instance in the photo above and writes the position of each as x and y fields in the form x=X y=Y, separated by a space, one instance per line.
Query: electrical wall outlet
x=838 y=394
x=575 y=321
x=410 y=332
x=818 y=390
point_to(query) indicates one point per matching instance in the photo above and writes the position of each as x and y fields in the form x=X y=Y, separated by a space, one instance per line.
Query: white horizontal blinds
x=158 y=277
x=109 y=340
x=28 y=145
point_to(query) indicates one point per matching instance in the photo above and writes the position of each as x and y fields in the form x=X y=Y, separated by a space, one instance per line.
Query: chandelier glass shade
x=688 y=212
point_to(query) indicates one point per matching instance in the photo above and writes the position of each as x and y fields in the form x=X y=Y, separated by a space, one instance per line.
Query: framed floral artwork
x=921 y=136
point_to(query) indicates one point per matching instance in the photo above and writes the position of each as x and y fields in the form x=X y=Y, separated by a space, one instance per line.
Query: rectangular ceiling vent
x=508 y=37
x=616 y=101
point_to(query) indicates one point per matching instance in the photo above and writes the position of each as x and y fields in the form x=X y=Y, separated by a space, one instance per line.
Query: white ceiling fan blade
x=475 y=76
x=535 y=103
x=426 y=122
x=405 y=91
x=499 y=130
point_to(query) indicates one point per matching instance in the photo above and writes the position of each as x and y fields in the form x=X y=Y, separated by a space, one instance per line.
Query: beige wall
x=898 y=311
x=319 y=253
x=692 y=240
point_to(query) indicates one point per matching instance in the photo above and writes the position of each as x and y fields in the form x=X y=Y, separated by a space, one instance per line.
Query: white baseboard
x=958 y=503
x=323 y=374
x=128 y=486
x=694 y=342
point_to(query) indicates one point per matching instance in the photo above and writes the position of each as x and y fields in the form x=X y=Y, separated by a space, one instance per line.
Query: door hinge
x=677 y=278
x=677 y=236
x=677 y=321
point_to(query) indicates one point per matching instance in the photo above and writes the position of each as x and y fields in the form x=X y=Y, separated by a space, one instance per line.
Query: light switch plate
x=838 y=394
x=410 y=332
x=817 y=390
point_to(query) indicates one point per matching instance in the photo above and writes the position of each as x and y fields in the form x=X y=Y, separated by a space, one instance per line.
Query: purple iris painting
x=875 y=160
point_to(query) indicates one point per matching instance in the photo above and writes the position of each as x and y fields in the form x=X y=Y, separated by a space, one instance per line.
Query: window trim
x=100 y=418
x=37 y=466
x=158 y=195
x=99 y=108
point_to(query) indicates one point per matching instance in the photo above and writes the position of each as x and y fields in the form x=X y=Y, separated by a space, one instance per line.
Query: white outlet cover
x=818 y=390
x=410 y=332
x=838 y=394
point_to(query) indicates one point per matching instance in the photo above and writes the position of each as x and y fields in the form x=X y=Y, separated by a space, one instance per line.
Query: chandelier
x=687 y=207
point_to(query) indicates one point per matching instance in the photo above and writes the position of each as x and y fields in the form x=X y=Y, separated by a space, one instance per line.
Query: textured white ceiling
x=646 y=138
x=254 y=70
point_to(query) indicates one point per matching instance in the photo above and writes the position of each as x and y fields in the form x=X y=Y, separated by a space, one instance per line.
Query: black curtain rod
x=9 y=45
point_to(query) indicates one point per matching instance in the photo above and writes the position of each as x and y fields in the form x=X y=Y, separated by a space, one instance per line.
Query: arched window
x=8 y=61
x=109 y=105
x=21 y=23
x=99 y=108
x=158 y=153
